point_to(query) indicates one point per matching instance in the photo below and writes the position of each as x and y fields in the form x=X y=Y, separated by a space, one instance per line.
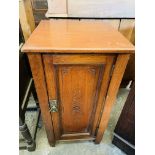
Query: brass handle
x=53 y=105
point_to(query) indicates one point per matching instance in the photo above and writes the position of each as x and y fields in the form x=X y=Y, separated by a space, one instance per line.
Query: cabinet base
x=77 y=138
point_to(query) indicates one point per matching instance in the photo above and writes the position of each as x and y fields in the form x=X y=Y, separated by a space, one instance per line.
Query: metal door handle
x=53 y=105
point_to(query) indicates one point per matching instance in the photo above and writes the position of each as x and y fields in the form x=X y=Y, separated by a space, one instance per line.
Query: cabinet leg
x=53 y=144
x=34 y=94
x=31 y=145
x=96 y=142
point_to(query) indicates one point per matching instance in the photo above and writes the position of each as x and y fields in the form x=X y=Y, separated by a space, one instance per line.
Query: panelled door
x=76 y=86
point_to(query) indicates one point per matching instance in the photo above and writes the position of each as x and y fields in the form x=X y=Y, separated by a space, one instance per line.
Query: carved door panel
x=78 y=83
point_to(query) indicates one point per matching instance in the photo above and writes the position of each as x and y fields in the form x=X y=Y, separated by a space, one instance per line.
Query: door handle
x=53 y=106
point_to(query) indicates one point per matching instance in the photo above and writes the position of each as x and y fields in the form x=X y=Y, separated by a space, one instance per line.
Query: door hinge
x=53 y=106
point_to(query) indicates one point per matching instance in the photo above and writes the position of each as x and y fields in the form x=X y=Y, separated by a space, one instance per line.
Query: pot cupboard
x=77 y=67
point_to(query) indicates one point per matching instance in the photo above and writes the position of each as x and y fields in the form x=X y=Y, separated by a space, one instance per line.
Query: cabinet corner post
x=117 y=75
x=37 y=69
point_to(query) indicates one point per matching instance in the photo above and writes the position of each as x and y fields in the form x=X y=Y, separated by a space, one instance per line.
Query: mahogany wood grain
x=40 y=85
x=117 y=75
x=73 y=36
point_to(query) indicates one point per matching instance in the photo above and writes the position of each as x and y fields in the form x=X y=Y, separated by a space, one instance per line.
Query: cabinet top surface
x=74 y=36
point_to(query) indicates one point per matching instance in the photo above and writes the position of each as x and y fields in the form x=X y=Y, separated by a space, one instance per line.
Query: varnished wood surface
x=102 y=93
x=40 y=85
x=78 y=83
x=77 y=138
x=77 y=71
x=52 y=91
x=79 y=59
x=77 y=93
x=117 y=75
x=74 y=36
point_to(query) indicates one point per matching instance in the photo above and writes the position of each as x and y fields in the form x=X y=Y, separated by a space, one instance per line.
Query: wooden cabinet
x=77 y=69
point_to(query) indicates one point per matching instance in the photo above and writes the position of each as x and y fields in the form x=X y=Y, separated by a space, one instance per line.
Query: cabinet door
x=78 y=83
